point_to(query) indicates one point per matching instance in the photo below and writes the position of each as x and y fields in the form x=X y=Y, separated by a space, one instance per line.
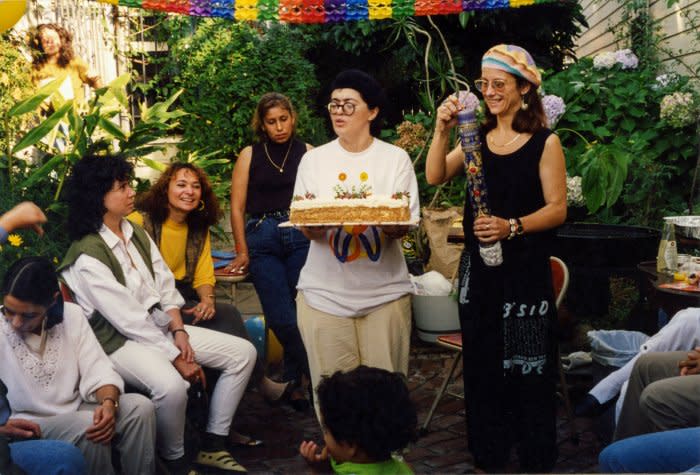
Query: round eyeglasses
x=497 y=85
x=348 y=108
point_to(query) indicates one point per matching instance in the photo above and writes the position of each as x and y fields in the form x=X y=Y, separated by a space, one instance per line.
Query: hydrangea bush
x=679 y=109
x=629 y=133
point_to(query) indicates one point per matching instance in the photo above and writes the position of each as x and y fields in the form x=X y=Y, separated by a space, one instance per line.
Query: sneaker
x=222 y=460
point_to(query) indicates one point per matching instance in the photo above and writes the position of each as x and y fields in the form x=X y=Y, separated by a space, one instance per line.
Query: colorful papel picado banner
x=321 y=11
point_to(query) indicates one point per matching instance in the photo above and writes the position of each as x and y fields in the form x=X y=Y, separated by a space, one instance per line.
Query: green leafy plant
x=614 y=138
x=61 y=139
x=66 y=135
x=224 y=68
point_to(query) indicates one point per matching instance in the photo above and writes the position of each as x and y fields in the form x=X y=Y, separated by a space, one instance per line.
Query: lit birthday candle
x=468 y=130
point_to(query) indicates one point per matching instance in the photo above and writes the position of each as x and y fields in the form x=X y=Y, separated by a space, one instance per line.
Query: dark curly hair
x=369 y=407
x=65 y=53
x=267 y=102
x=91 y=178
x=370 y=90
x=530 y=120
x=34 y=280
x=154 y=202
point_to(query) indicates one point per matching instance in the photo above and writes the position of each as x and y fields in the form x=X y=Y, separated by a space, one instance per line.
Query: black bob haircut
x=369 y=407
x=370 y=90
x=91 y=178
x=34 y=280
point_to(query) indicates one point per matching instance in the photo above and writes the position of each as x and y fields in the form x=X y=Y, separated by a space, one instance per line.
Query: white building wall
x=96 y=37
x=680 y=45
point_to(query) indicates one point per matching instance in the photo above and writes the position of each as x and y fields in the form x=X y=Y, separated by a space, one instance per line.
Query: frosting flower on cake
x=307 y=196
x=345 y=193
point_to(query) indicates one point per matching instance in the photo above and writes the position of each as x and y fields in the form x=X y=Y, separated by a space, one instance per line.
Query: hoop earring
x=523 y=104
x=201 y=205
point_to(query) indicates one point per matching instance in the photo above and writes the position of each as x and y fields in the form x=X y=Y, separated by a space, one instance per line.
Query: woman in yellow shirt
x=54 y=59
x=177 y=212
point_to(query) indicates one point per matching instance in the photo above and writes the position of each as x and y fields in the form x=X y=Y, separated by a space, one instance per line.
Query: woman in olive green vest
x=128 y=294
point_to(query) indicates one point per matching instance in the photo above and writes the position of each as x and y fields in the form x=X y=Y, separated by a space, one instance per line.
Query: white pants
x=148 y=369
x=681 y=333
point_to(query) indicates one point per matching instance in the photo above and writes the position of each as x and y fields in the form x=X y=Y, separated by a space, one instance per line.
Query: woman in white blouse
x=61 y=385
x=128 y=294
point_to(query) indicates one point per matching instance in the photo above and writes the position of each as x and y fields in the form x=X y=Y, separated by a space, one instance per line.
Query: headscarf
x=514 y=60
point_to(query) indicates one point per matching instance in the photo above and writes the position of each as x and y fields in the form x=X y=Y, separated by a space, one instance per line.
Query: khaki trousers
x=134 y=436
x=657 y=398
x=380 y=339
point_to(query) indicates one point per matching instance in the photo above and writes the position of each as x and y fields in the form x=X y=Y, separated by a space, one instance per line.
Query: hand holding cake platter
x=468 y=130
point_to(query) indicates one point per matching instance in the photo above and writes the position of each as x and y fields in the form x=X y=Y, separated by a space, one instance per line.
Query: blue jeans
x=47 y=457
x=276 y=258
x=671 y=451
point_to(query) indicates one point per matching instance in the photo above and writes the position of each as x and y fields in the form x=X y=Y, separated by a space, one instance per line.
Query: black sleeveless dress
x=508 y=319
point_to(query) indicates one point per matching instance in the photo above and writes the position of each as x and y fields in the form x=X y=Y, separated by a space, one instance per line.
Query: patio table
x=671 y=300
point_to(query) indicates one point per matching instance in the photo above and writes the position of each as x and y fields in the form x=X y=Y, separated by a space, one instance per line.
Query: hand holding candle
x=468 y=130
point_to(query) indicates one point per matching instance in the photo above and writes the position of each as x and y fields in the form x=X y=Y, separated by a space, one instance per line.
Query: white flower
x=626 y=58
x=678 y=109
x=665 y=80
x=605 y=60
x=574 y=192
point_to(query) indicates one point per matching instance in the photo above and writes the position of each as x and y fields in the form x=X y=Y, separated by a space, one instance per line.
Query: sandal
x=222 y=459
x=241 y=440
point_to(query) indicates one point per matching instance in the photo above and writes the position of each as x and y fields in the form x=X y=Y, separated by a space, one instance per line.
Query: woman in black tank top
x=261 y=188
x=507 y=312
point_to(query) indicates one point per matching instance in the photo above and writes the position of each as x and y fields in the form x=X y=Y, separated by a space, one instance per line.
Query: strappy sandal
x=222 y=459
x=241 y=440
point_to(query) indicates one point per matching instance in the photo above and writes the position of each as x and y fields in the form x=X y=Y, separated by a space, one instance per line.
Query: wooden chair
x=453 y=341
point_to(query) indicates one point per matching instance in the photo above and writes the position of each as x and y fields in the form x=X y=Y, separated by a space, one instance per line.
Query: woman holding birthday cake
x=353 y=304
x=507 y=309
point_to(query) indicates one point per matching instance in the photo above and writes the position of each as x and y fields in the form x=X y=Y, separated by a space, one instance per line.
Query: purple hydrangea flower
x=626 y=58
x=554 y=108
x=468 y=100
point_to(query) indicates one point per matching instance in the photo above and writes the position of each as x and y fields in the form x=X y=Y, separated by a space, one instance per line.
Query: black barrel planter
x=596 y=252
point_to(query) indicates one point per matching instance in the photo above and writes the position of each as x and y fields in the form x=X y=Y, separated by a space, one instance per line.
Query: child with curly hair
x=366 y=415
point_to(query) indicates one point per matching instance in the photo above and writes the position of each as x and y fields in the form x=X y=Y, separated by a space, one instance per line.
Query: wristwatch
x=114 y=401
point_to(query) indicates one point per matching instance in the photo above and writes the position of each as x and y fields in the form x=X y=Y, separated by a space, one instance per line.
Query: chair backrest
x=560 y=279
x=66 y=292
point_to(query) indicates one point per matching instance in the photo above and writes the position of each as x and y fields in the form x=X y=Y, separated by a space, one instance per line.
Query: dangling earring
x=201 y=205
x=523 y=104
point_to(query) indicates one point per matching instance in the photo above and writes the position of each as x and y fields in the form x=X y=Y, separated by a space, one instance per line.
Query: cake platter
x=410 y=222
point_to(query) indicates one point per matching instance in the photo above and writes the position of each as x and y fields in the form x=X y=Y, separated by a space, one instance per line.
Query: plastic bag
x=431 y=283
x=615 y=347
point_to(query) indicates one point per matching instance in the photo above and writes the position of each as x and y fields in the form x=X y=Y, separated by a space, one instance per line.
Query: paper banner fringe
x=321 y=11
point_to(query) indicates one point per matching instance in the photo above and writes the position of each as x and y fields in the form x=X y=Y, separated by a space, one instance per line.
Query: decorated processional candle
x=468 y=130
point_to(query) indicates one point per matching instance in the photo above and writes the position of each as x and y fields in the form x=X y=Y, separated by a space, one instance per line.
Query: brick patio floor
x=442 y=451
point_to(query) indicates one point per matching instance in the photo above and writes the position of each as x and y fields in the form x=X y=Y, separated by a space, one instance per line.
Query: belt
x=280 y=213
